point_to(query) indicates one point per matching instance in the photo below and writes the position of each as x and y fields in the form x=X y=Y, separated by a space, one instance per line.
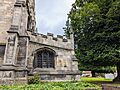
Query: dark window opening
x=29 y=23
x=2 y=51
x=44 y=59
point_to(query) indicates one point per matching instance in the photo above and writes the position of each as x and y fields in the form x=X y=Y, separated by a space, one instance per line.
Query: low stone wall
x=110 y=87
x=17 y=81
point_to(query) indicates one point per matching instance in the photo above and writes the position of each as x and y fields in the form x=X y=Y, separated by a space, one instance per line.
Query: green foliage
x=96 y=25
x=35 y=79
x=53 y=86
x=67 y=29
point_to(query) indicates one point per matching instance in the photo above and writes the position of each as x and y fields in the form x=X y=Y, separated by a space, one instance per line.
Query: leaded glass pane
x=45 y=59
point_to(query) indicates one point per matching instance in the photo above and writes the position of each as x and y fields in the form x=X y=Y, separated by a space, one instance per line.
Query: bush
x=34 y=80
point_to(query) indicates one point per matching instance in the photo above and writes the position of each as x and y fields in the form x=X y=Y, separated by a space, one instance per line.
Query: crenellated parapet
x=50 y=40
x=20 y=3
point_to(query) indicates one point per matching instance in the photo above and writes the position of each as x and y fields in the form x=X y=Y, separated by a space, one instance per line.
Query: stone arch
x=44 y=58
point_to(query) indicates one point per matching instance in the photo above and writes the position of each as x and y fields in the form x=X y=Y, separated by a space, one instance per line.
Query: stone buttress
x=14 y=66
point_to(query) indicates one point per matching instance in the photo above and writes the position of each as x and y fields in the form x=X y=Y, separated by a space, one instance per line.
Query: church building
x=24 y=51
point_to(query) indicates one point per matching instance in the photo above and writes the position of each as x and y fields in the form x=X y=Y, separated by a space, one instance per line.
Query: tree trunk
x=93 y=73
x=117 y=79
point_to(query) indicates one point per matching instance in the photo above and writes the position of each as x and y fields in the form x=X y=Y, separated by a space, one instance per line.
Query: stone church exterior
x=24 y=52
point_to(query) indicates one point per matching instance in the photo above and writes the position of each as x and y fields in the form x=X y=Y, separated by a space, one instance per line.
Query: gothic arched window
x=44 y=59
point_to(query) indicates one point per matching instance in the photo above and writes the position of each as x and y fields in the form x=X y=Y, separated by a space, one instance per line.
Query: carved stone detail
x=10 y=49
x=7 y=74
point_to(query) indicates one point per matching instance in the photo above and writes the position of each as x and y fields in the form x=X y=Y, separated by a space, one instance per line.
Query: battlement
x=49 y=39
x=50 y=36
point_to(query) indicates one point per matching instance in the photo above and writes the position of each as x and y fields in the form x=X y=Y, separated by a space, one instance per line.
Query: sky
x=51 y=15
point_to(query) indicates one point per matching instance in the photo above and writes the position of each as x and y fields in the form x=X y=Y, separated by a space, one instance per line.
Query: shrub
x=34 y=80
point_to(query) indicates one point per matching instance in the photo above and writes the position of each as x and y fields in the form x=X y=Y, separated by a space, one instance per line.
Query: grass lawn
x=85 y=83
x=53 y=86
x=96 y=80
x=116 y=84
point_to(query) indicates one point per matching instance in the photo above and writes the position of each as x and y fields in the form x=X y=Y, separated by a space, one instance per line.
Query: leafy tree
x=96 y=26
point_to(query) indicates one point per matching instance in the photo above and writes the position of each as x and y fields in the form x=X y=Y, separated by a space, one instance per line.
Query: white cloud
x=51 y=15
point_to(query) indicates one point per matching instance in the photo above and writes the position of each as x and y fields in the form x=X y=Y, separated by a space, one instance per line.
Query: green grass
x=115 y=84
x=53 y=86
x=91 y=79
x=85 y=83
x=96 y=80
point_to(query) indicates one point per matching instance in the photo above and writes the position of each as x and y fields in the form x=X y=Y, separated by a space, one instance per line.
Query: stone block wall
x=63 y=60
x=6 y=12
x=9 y=77
x=66 y=65
x=63 y=47
x=19 y=81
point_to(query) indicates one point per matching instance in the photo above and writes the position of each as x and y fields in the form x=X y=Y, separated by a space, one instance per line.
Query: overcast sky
x=51 y=15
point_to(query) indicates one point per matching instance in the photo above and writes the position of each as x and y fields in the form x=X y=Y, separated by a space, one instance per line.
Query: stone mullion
x=36 y=64
x=53 y=61
x=42 y=61
x=48 y=60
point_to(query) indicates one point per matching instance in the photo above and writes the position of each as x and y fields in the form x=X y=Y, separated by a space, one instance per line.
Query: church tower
x=24 y=52
x=16 y=18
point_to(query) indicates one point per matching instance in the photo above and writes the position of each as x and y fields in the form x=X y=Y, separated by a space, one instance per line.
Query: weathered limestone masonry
x=65 y=64
x=24 y=52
